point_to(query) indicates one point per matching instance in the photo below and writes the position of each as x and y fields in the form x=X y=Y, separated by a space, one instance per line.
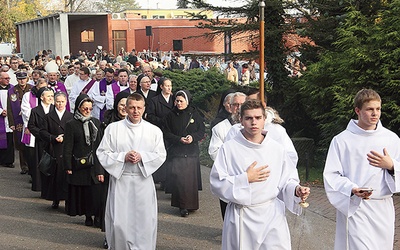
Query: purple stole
x=115 y=88
x=26 y=138
x=127 y=90
x=3 y=131
x=88 y=87
x=61 y=87
x=103 y=90
x=16 y=111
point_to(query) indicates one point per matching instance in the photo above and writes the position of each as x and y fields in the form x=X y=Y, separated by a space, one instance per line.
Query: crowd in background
x=58 y=109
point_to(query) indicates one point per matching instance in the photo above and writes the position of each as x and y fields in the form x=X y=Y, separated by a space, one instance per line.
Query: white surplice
x=76 y=91
x=218 y=135
x=110 y=95
x=99 y=100
x=26 y=113
x=362 y=224
x=131 y=210
x=255 y=217
x=276 y=132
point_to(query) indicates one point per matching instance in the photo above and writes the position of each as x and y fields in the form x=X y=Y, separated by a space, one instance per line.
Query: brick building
x=157 y=30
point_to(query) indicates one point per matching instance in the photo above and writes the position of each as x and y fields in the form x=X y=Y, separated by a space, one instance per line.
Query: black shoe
x=105 y=244
x=184 y=212
x=23 y=172
x=55 y=204
x=97 y=222
x=89 y=221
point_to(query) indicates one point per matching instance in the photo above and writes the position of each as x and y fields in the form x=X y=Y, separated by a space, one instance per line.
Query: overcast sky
x=171 y=4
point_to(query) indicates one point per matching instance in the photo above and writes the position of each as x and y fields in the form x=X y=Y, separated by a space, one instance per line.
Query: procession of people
x=111 y=135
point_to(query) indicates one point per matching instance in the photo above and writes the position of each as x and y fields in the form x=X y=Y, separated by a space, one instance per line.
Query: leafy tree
x=248 y=31
x=17 y=11
x=366 y=55
x=202 y=84
x=182 y=4
x=117 y=5
x=7 y=26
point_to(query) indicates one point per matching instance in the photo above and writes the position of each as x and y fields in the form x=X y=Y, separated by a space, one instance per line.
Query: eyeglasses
x=87 y=109
x=145 y=81
x=6 y=78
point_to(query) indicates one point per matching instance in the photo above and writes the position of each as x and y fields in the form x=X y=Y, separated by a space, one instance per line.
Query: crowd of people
x=70 y=118
x=113 y=130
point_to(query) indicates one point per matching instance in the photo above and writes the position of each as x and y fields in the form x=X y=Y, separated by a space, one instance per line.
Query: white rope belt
x=241 y=208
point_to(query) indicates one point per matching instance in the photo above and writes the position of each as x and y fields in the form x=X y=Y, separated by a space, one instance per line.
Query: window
x=161 y=17
x=155 y=17
x=118 y=40
x=87 y=36
x=144 y=17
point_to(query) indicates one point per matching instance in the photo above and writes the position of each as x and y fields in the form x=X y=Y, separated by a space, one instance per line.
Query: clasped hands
x=187 y=139
x=133 y=157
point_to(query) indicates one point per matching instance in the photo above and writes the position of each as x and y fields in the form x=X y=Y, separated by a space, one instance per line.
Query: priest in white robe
x=365 y=155
x=250 y=171
x=131 y=151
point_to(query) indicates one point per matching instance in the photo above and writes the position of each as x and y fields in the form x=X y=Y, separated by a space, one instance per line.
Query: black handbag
x=84 y=162
x=46 y=163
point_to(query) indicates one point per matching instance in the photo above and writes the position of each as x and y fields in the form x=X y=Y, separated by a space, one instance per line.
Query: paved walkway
x=28 y=222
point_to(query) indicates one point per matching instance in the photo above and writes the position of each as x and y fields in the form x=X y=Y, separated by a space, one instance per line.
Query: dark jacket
x=150 y=95
x=158 y=108
x=37 y=121
x=180 y=123
x=54 y=127
x=222 y=115
x=75 y=145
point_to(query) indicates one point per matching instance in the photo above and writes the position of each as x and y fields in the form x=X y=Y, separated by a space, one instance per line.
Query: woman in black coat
x=37 y=121
x=81 y=139
x=184 y=128
x=157 y=109
x=53 y=134
x=159 y=106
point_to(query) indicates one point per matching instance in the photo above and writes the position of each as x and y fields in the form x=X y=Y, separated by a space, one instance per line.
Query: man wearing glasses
x=13 y=69
x=220 y=131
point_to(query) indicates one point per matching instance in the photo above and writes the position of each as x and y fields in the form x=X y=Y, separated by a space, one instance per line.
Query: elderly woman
x=37 y=121
x=184 y=128
x=84 y=172
x=53 y=134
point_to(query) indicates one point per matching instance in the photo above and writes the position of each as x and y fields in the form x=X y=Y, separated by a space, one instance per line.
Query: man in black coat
x=144 y=90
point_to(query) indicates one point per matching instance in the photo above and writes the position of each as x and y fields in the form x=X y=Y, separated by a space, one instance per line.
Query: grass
x=314 y=176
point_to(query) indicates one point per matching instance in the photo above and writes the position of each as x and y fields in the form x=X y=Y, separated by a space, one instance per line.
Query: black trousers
x=7 y=155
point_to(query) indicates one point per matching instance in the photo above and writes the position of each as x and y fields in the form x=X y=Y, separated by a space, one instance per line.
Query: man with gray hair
x=220 y=131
